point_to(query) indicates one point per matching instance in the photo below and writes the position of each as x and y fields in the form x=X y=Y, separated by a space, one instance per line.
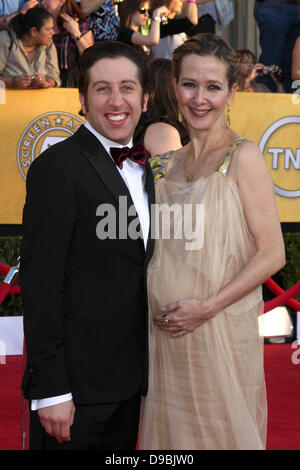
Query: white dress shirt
x=133 y=175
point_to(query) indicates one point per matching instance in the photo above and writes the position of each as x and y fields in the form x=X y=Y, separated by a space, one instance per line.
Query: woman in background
x=161 y=128
x=28 y=57
x=72 y=37
x=134 y=14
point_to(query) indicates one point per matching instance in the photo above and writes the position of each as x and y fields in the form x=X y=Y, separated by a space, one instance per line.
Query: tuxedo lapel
x=103 y=165
x=106 y=169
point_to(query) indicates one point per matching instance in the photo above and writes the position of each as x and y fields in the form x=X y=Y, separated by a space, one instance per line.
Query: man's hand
x=57 y=420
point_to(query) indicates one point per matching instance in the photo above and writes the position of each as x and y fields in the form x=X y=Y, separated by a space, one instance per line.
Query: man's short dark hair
x=111 y=50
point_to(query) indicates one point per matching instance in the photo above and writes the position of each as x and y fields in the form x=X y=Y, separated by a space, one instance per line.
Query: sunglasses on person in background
x=144 y=11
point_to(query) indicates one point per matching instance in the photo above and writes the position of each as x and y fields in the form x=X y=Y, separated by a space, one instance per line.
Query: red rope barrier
x=4 y=290
x=282 y=296
x=9 y=284
x=14 y=290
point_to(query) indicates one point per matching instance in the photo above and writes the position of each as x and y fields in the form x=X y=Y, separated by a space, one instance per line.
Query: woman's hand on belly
x=182 y=317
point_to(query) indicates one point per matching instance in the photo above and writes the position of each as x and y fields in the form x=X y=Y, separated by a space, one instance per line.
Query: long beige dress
x=207 y=388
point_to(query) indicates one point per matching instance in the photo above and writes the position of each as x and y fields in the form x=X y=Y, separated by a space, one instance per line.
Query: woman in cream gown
x=220 y=243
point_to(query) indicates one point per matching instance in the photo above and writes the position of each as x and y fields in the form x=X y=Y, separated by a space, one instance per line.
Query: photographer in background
x=11 y=8
x=250 y=70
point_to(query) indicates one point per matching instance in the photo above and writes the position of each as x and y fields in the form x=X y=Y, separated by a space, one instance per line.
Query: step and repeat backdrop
x=33 y=120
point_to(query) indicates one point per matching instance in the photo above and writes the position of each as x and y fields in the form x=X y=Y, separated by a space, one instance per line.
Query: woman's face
x=202 y=91
x=141 y=16
x=246 y=66
x=44 y=36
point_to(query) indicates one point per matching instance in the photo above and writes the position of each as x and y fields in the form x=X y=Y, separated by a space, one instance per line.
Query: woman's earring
x=228 y=116
x=180 y=116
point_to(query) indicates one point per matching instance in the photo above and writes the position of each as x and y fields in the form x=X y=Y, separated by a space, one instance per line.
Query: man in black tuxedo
x=84 y=256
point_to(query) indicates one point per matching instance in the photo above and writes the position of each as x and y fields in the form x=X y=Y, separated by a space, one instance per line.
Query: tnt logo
x=282 y=157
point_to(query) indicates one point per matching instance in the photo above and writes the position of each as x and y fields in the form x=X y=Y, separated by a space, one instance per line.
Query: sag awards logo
x=41 y=133
x=282 y=158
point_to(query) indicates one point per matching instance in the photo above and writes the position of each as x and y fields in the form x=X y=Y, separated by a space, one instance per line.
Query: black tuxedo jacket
x=85 y=299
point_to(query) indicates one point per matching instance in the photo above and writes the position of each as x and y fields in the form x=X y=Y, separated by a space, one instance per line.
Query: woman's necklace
x=190 y=175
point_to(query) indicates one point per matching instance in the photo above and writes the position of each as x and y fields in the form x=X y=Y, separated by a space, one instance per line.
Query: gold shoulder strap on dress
x=224 y=166
x=159 y=164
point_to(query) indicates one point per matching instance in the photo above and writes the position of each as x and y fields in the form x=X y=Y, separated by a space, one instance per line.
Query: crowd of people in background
x=41 y=41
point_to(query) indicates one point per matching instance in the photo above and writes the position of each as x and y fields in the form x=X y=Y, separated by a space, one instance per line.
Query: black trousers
x=109 y=426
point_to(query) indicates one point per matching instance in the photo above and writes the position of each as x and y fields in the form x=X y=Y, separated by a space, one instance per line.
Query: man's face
x=114 y=101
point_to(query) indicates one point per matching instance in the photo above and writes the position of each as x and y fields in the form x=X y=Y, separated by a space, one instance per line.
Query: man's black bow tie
x=136 y=154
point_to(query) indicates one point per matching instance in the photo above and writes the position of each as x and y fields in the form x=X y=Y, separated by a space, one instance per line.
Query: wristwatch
x=78 y=37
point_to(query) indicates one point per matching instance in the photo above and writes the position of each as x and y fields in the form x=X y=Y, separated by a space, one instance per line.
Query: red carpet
x=10 y=403
x=283 y=386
